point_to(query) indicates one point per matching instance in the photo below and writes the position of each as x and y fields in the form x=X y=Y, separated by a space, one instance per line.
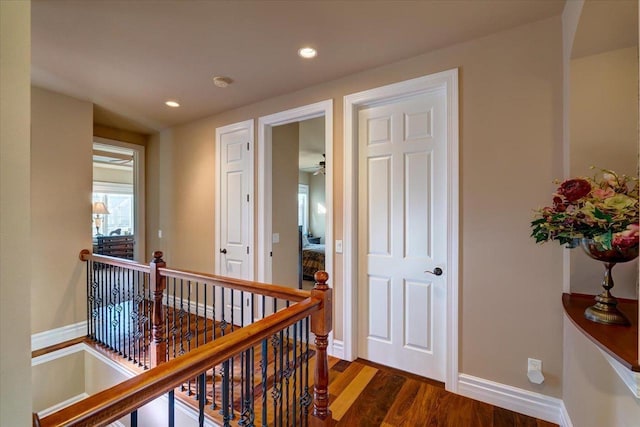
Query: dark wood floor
x=364 y=394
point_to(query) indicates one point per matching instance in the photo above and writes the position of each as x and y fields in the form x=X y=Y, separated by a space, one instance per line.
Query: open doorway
x=118 y=199
x=299 y=211
x=295 y=198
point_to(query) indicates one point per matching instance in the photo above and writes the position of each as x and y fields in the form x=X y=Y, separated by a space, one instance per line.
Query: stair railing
x=140 y=312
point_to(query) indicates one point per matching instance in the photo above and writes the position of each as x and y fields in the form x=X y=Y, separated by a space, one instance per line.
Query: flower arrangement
x=603 y=208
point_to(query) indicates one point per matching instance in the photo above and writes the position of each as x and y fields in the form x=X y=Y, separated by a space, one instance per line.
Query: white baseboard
x=61 y=405
x=337 y=349
x=565 y=420
x=515 y=399
x=58 y=335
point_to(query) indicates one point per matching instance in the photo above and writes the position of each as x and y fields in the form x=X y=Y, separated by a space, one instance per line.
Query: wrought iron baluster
x=294 y=404
x=214 y=405
x=281 y=378
x=233 y=387
x=172 y=408
x=148 y=320
x=225 y=394
x=263 y=365
x=134 y=418
x=202 y=398
x=287 y=372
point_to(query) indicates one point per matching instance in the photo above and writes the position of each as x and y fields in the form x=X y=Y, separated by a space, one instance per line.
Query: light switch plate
x=338 y=246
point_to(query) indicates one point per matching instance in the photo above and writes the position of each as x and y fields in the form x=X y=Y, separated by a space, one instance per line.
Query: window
x=118 y=198
x=303 y=207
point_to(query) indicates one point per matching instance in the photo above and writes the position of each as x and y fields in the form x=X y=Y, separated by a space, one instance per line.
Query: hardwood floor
x=364 y=394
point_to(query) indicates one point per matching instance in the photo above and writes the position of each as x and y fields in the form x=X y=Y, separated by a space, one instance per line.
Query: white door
x=235 y=230
x=402 y=229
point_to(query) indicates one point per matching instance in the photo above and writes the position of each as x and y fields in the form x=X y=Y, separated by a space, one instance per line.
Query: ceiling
x=605 y=26
x=129 y=57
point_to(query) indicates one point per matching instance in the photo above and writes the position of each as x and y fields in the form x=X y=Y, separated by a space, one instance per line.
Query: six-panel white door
x=402 y=232
x=234 y=244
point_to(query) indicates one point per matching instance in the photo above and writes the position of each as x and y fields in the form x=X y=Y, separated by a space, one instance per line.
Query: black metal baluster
x=306 y=398
x=119 y=289
x=275 y=389
x=111 y=310
x=139 y=299
x=213 y=337
x=148 y=320
x=225 y=394
x=232 y=292
x=129 y=312
x=174 y=330
x=263 y=373
x=294 y=403
x=202 y=398
x=281 y=377
x=134 y=418
x=188 y=337
x=172 y=408
x=287 y=373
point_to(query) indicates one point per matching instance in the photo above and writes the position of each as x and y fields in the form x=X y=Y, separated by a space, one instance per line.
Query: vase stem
x=605 y=309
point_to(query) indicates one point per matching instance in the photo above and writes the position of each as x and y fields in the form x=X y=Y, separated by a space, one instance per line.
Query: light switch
x=275 y=238
x=338 y=246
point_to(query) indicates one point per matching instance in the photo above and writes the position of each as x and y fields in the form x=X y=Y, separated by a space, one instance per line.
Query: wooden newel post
x=321 y=325
x=158 y=345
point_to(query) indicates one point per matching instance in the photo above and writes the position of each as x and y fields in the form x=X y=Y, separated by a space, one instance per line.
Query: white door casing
x=265 y=125
x=234 y=213
x=381 y=171
x=401 y=191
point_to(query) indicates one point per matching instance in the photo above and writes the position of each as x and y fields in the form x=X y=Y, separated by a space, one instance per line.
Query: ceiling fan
x=321 y=166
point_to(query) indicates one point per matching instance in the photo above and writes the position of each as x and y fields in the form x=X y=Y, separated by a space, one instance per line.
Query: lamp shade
x=99 y=208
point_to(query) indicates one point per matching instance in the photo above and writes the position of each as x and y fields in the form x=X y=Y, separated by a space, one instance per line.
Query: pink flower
x=602 y=194
x=574 y=189
x=627 y=238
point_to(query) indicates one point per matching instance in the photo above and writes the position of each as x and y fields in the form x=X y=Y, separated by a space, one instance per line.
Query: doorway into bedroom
x=294 y=204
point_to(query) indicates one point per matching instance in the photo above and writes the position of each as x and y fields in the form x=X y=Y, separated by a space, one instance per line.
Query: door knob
x=223 y=251
x=437 y=271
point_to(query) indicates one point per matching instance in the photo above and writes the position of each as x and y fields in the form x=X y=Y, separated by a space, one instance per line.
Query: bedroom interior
x=299 y=213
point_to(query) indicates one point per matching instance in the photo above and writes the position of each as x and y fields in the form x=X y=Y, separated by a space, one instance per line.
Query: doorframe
x=248 y=125
x=265 y=125
x=139 y=203
x=447 y=80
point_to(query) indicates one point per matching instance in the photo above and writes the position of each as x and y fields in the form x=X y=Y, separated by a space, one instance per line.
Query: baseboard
x=565 y=420
x=48 y=357
x=58 y=335
x=337 y=349
x=61 y=405
x=515 y=399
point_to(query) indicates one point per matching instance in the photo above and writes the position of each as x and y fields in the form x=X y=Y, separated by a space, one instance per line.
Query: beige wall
x=285 y=204
x=604 y=133
x=57 y=380
x=15 y=246
x=120 y=135
x=61 y=181
x=511 y=131
x=594 y=394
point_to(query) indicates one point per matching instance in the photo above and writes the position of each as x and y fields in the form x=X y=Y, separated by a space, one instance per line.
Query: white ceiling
x=129 y=57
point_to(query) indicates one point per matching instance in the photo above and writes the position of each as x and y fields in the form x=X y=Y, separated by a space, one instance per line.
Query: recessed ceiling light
x=173 y=104
x=307 y=52
x=221 y=81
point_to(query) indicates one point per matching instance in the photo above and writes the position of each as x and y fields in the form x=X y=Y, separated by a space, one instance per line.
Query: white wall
x=15 y=214
x=317 y=206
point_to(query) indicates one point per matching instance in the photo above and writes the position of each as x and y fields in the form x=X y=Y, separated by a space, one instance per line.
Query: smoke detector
x=222 y=81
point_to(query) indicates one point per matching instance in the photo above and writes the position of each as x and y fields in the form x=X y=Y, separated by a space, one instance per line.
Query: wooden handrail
x=112 y=404
x=86 y=255
x=275 y=291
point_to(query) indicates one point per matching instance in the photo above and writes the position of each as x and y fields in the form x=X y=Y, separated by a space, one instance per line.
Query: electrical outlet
x=534 y=365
